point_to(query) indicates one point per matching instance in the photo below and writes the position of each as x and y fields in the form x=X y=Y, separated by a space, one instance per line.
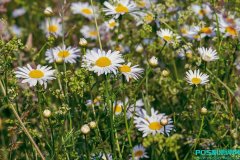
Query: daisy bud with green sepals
x=47 y=113
x=85 y=129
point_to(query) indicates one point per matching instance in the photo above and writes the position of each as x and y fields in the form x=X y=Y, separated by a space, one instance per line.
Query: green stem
x=109 y=104
x=86 y=146
x=96 y=24
x=199 y=133
x=26 y=132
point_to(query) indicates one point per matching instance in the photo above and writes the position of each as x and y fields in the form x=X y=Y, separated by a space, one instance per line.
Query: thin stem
x=96 y=24
x=26 y=132
x=199 y=134
x=86 y=145
x=109 y=104
x=176 y=155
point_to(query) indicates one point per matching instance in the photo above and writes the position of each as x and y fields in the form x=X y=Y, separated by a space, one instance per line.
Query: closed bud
x=48 y=11
x=164 y=121
x=204 y=110
x=85 y=129
x=83 y=42
x=92 y=124
x=139 y=48
x=153 y=61
x=120 y=36
x=165 y=73
x=47 y=113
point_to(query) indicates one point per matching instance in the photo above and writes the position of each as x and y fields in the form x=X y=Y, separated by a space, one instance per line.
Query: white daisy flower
x=203 y=10
x=152 y=125
x=229 y=29
x=102 y=156
x=121 y=7
x=102 y=62
x=130 y=72
x=196 y=78
x=206 y=31
x=208 y=54
x=18 y=12
x=144 y=17
x=52 y=27
x=40 y=75
x=89 y=32
x=111 y=24
x=62 y=53
x=167 y=35
x=139 y=152
x=118 y=107
x=84 y=9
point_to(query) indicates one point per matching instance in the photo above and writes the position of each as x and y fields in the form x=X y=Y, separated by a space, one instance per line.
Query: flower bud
x=204 y=110
x=164 y=121
x=48 y=11
x=165 y=73
x=83 y=42
x=153 y=61
x=92 y=124
x=47 y=113
x=189 y=54
x=120 y=36
x=85 y=129
x=139 y=48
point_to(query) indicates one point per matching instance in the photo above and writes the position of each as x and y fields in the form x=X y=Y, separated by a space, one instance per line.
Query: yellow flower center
x=86 y=11
x=196 y=80
x=206 y=30
x=36 y=74
x=196 y=36
x=63 y=54
x=112 y=24
x=121 y=9
x=231 y=31
x=155 y=126
x=138 y=153
x=125 y=68
x=202 y=12
x=97 y=99
x=167 y=38
x=103 y=62
x=118 y=109
x=148 y=18
x=93 y=33
x=183 y=30
x=53 y=28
